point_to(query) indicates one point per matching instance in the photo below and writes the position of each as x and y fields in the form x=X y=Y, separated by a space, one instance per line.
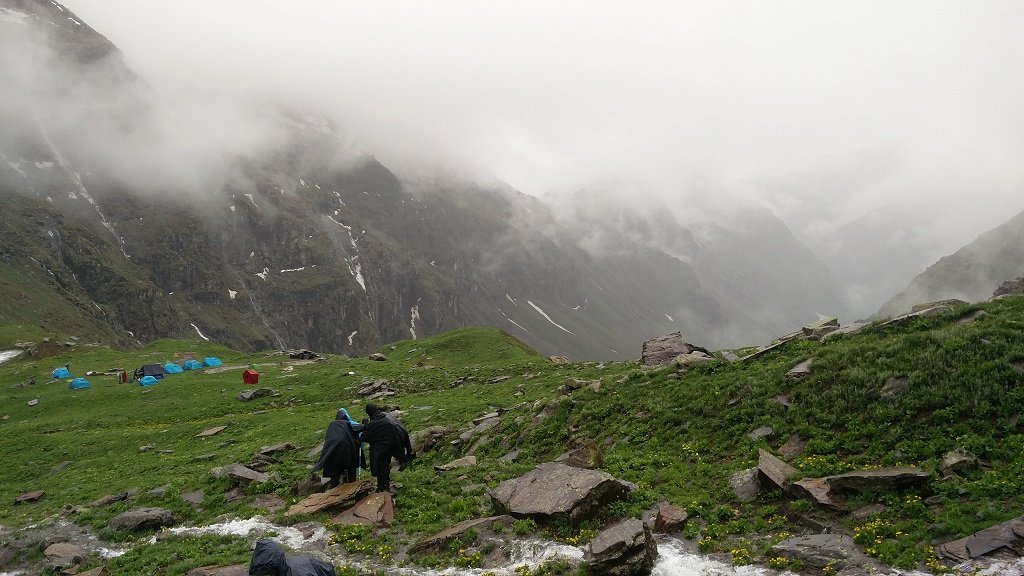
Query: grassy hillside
x=679 y=436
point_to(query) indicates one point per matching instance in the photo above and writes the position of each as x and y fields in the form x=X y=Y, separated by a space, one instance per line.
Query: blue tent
x=147 y=381
x=79 y=383
x=212 y=361
x=172 y=368
x=61 y=372
x=192 y=365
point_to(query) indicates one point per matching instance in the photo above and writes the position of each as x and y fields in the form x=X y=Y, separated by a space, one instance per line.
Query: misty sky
x=822 y=111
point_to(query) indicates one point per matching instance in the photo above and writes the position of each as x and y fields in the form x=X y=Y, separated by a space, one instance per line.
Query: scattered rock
x=341 y=496
x=794 y=446
x=159 y=491
x=29 y=496
x=556 y=491
x=894 y=386
x=623 y=549
x=142 y=519
x=1015 y=286
x=818 y=330
x=239 y=474
x=279 y=447
x=146 y=448
x=109 y=499
x=425 y=439
x=773 y=470
x=377 y=389
x=800 y=370
x=378 y=357
x=303 y=354
x=559 y=359
x=203 y=457
x=669 y=518
x=816 y=490
x=848 y=330
x=63 y=555
x=861 y=514
x=377 y=510
x=957 y=462
x=664 y=349
x=510 y=457
x=61 y=466
x=271 y=502
x=783 y=400
x=194 y=497
x=211 y=431
x=588 y=455
x=745 y=484
x=247 y=395
x=762 y=432
x=479 y=429
x=438 y=540
x=949 y=303
x=1007 y=537
x=820 y=550
x=234 y=495
x=464 y=462
x=33 y=402
x=878 y=480
x=691 y=359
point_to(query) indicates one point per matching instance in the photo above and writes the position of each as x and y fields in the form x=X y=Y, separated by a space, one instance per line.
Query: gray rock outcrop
x=556 y=491
x=664 y=349
x=878 y=480
x=623 y=549
x=1006 y=538
x=142 y=519
x=820 y=550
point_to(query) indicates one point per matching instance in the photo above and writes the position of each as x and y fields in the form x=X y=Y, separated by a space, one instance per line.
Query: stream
x=6 y=355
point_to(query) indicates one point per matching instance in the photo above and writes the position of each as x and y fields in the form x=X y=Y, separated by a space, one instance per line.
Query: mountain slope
x=971 y=273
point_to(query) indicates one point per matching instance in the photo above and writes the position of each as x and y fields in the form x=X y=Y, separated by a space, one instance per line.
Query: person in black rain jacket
x=387 y=439
x=342 y=451
x=268 y=559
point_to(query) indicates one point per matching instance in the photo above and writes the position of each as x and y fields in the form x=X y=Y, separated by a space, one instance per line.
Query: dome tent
x=212 y=361
x=147 y=381
x=192 y=365
x=79 y=383
x=61 y=372
x=172 y=368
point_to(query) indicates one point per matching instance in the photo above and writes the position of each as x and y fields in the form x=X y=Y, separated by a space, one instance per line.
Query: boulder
x=195 y=497
x=794 y=446
x=691 y=359
x=108 y=500
x=1006 y=538
x=556 y=491
x=341 y=496
x=957 y=462
x=479 y=429
x=759 y=433
x=774 y=471
x=1010 y=287
x=426 y=438
x=440 y=539
x=239 y=474
x=878 y=480
x=669 y=518
x=63 y=555
x=894 y=386
x=820 y=550
x=142 y=519
x=623 y=549
x=559 y=359
x=377 y=510
x=948 y=303
x=279 y=447
x=800 y=370
x=848 y=330
x=377 y=389
x=664 y=349
x=377 y=357
x=33 y=496
x=252 y=394
x=863 y=513
x=211 y=431
x=745 y=484
x=816 y=490
x=818 y=330
x=464 y=462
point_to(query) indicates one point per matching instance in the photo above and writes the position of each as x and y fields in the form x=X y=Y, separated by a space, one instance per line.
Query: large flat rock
x=377 y=510
x=1007 y=537
x=878 y=479
x=341 y=496
x=556 y=491
x=142 y=519
x=623 y=549
x=774 y=470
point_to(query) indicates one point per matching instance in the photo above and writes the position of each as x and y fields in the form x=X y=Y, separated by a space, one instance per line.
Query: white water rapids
x=6 y=355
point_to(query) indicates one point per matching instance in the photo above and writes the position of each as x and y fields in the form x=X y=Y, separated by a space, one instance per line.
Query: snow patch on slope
x=201 y=335
x=548 y=318
x=414 y=315
x=521 y=327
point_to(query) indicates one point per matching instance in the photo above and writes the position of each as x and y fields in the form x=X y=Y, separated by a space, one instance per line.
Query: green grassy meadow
x=677 y=436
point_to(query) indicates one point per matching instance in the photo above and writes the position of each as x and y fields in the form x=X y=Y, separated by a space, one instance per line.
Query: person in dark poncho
x=342 y=451
x=387 y=439
x=268 y=559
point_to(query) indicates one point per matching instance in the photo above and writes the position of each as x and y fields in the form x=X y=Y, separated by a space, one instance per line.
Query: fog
x=900 y=122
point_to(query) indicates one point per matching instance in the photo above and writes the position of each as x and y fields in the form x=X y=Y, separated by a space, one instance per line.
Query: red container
x=251 y=377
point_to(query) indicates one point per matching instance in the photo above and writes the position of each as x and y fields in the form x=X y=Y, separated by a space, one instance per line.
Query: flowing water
x=6 y=355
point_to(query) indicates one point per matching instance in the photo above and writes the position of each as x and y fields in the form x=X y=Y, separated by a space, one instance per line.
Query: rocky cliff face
x=971 y=273
x=309 y=243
